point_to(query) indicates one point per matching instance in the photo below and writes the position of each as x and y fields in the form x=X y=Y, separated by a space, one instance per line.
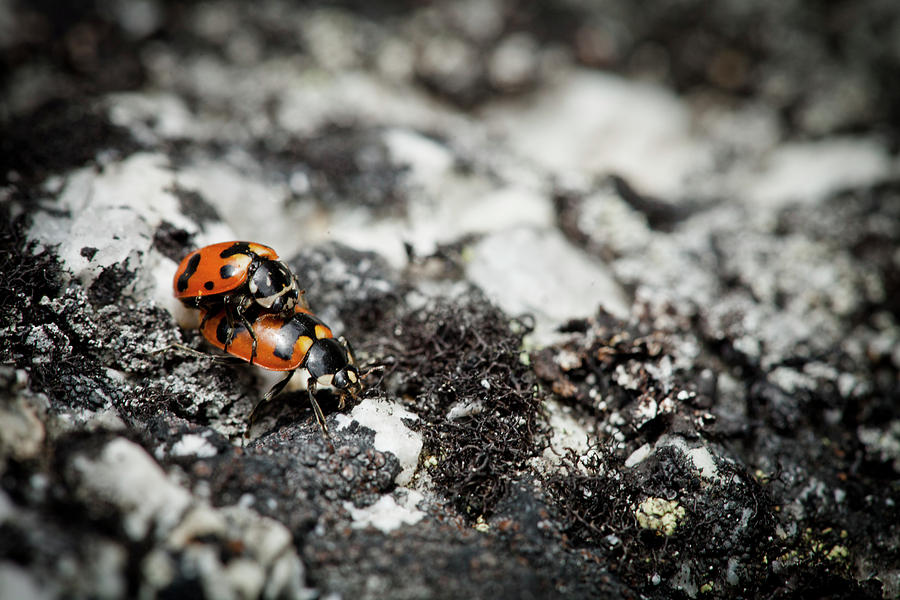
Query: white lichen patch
x=428 y=161
x=807 y=172
x=108 y=217
x=309 y=100
x=463 y=409
x=790 y=380
x=592 y=124
x=645 y=411
x=197 y=522
x=685 y=580
x=18 y=582
x=444 y=206
x=389 y=512
x=391 y=434
x=125 y=475
x=554 y=265
x=702 y=460
x=883 y=443
x=659 y=514
x=22 y=432
x=150 y=116
x=607 y=218
x=230 y=184
x=565 y=432
x=156 y=510
x=567 y=359
x=638 y=456
x=193 y=445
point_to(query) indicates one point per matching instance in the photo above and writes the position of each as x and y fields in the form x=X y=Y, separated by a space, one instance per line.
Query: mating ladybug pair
x=254 y=310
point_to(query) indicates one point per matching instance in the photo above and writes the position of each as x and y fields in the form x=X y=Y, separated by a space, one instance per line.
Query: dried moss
x=464 y=356
x=597 y=497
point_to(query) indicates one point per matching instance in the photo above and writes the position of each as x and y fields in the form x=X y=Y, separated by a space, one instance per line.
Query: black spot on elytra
x=237 y=248
x=227 y=271
x=299 y=325
x=222 y=330
x=209 y=285
x=189 y=271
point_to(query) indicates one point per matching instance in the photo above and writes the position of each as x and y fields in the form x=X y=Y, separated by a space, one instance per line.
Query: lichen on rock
x=621 y=281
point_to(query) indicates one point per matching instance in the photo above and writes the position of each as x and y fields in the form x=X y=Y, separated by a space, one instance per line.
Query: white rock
x=193 y=444
x=126 y=476
x=115 y=211
x=16 y=582
x=387 y=514
x=807 y=172
x=638 y=456
x=700 y=456
x=391 y=434
x=591 y=124
x=565 y=432
x=539 y=272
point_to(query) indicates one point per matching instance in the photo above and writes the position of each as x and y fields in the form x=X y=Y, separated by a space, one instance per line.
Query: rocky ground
x=631 y=272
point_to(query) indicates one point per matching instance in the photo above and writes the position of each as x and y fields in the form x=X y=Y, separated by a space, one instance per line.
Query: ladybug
x=243 y=278
x=300 y=341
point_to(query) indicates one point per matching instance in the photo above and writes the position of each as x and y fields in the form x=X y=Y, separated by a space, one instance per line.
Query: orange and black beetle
x=300 y=341
x=236 y=277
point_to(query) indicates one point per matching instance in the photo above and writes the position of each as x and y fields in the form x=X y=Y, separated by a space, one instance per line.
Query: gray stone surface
x=629 y=272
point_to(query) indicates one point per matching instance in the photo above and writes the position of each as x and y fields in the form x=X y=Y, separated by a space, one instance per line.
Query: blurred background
x=821 y=68
x=826 y=67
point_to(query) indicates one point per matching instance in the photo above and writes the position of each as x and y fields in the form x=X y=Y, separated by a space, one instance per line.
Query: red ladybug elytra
x=237 y=277
x=300 y=341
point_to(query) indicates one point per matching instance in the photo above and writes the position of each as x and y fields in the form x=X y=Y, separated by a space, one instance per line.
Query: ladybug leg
x=206 y=315
x=229 y=337
x=342 y=399
x=252 y=333
x=183 y=349
x=311 y=388
x=234 y=311
x=239 y=308
x=231 y=360
x=274 y=391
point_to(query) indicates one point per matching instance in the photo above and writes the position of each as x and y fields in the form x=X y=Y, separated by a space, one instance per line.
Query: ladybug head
x=347 y=379
x=331 y=364
x=274 y=287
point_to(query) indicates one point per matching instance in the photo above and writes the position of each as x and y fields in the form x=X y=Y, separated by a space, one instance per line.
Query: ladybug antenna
x=373 y=366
